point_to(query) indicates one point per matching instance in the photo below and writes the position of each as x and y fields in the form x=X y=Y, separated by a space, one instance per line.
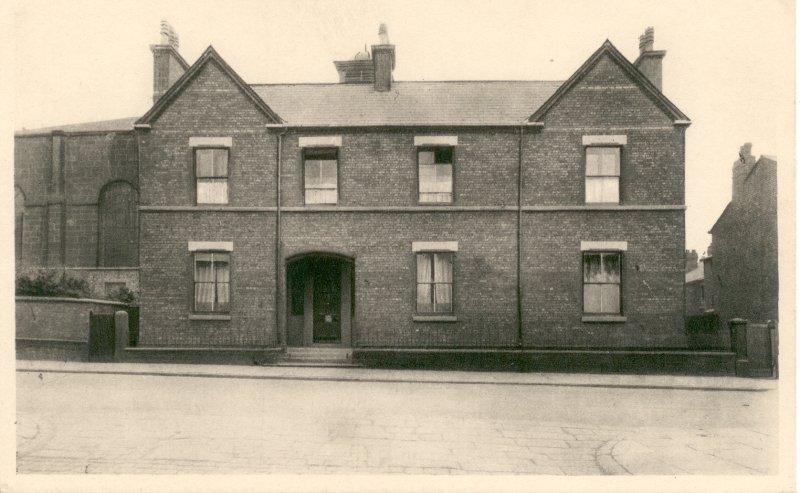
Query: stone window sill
x=208 y=316
x=604 y=318
x=435 y=318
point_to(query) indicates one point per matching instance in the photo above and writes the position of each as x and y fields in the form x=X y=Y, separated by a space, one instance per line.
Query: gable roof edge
x=209 y=54
x=678 y=117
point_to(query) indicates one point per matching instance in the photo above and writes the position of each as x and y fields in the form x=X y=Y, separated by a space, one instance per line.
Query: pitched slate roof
x=408 y=103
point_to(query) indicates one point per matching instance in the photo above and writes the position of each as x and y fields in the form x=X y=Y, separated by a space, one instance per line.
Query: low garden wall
x=56 y=328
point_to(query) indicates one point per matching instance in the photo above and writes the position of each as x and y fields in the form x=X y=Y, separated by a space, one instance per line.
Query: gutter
x=519 y=236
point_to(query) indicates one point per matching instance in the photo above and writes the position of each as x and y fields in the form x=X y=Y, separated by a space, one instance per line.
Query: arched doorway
x=319 y=300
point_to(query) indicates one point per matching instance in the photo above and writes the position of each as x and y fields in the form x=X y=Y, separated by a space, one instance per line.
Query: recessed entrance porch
x=320 y=300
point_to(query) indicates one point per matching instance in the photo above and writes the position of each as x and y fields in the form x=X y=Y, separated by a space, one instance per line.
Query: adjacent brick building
x=374 y=213
x=741 y=270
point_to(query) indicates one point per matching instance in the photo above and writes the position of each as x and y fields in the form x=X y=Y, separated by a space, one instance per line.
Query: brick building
x=374 y=213
x=741 y=270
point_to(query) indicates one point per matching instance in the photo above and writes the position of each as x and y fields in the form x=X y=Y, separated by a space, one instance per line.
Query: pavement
x=158 y=418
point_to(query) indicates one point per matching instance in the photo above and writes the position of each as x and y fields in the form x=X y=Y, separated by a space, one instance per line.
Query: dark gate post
x=738 y=328
x=120 y=334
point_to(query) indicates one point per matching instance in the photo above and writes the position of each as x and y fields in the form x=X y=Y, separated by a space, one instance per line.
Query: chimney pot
x=167 y=64
x=649 y=61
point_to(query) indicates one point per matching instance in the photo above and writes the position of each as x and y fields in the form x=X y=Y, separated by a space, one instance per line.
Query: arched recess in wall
x=118 y=225
x=19 y=221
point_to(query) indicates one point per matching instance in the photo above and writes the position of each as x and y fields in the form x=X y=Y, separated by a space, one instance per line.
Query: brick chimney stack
x=649 y=61
x=168 y=65
x=741 y=169
x=383 y=60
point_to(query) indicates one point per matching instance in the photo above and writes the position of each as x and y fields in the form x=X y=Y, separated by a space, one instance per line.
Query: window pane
x=328 y=173
x=424 y=303
x=203 y=271
x=222 y=268
x=444 y=298
x=223 y=296
x=204 y=296
x=592 y=161
x=591 y=298
x=610 y=161
x=611 y=267
x=594 y=189
x=443 y=267
x=313 y=173
x=205 y=162
x=426 y=157
x=591 y=267
x=610 y=190
x=436 y=197
x=609 y=298
x=220 y=162
x=436 y=178
x=443 y=155
x=424 y=270
x=212 y=191
x=320 y=196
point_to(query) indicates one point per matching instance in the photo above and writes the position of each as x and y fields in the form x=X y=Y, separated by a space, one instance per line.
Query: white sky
x=729 y=64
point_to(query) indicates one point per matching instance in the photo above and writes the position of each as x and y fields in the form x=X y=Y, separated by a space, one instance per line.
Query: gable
x=611 y=90
x=208 y=80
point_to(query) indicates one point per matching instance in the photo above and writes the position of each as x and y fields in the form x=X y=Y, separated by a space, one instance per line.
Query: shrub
x=123 y=295
x=49 y=283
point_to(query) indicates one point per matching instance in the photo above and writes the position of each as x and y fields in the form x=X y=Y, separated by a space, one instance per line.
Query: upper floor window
x=602 y=175
x=435 y=174
x=211 y=171
x=321 y=169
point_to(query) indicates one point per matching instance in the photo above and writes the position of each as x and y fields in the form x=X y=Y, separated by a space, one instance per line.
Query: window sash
x=212 y=190
x=435 y=173
x=211 y=162
x=602 y=174
x=212 y=279
x=434 y=292
x=602 y=283
x=321 y=176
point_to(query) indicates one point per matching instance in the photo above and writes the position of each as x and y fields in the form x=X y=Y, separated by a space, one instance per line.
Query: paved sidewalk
x=348 y=374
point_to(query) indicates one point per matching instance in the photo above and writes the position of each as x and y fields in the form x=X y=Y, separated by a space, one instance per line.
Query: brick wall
x=57 y=318
x=652 y=278
x=484 y=271
x=745 y=250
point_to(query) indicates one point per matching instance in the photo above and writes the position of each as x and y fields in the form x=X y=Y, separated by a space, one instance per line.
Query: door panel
x=327 y=301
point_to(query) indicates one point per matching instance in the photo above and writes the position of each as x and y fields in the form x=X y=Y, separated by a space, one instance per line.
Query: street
x=147 y=424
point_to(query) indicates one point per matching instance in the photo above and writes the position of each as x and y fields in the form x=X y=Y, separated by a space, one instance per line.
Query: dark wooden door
x=327 y=301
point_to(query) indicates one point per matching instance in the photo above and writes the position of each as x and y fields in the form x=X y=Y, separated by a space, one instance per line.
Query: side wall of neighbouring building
x=745 y=249
x=76 y=205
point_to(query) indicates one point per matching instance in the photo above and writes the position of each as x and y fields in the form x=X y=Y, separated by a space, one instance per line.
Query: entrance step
x=319 y=354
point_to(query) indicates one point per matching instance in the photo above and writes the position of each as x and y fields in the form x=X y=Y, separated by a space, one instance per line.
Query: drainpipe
x=280 y=328
x=519 y=236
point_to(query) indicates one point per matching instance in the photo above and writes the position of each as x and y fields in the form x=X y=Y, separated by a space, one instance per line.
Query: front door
x=327 y=301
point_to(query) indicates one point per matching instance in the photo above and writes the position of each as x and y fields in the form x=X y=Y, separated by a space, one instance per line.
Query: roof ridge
x=555 y=81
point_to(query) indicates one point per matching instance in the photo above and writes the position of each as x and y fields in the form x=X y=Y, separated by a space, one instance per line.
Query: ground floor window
x=601 y=283
x=212 y=277
x=435 y=282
